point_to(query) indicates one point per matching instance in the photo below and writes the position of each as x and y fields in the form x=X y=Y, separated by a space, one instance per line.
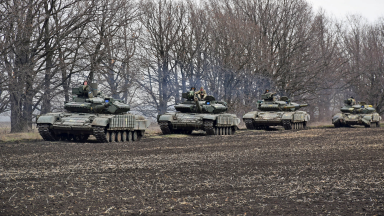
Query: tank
x=273 y=112
x=91 y=113
x=194 y=114
x=353 y=113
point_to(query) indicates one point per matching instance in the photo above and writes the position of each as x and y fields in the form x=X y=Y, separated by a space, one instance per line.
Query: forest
x=148 y=52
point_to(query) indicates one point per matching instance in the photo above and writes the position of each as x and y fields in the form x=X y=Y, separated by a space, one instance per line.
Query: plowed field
x=315 y=171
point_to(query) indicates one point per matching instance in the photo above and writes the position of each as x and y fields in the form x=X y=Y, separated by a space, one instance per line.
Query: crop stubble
x=316 y=171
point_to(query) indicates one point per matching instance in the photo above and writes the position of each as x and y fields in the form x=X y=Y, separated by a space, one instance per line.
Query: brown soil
x=317 y=171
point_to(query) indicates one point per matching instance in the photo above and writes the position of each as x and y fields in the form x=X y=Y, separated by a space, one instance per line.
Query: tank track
x=46 y=133
x=209 y=128
x=287 y=124
x=99 y=133
x=164 y=126
x=249 y=124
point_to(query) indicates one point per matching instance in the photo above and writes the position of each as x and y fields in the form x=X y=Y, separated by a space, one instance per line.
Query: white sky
x=370 y=9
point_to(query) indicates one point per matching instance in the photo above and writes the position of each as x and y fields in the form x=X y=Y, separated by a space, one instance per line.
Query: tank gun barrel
x=294 y=106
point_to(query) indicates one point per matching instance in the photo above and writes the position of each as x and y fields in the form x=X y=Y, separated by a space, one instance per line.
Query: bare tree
x=163 y=22
x=27 y=53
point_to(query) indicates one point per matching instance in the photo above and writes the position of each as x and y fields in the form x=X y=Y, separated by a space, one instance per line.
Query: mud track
x=316 y=171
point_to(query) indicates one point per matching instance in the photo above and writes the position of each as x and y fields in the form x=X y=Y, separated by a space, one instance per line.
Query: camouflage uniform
x=87 y=89
x=201 y=94
x=351 y=101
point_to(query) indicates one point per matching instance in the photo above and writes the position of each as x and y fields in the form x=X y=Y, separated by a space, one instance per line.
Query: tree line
x=149 y=52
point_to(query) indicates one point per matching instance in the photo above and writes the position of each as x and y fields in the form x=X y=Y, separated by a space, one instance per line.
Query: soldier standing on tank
x=353 y=101
x=201 y=94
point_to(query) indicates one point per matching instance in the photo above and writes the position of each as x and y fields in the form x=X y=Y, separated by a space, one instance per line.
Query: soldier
x=269 y=96
x=87 y=89
x=201 y=94
x=351 y=101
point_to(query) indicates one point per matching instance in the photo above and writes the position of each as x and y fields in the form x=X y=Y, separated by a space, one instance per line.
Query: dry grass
x=16 y=137
x=7 y=136
x=153 y=130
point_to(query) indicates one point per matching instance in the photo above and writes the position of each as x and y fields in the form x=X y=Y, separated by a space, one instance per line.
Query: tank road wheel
x=112 y=136
x=226 y=130
x=76 y=138
x=208 y=127
x=164 y=126
x=71 y=137
x=233 y=128
x=129 y=136
x=229 y=130
x=377 y=124
x=118 y=136
x=287 y=124
x=124 y=136
x=134 y=136
x=216 y=130
x=140 y=134
x=84 y=138
x=108 y=136
x=63 y=137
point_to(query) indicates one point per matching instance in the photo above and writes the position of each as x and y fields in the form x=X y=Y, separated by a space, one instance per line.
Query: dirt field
x=318 y=171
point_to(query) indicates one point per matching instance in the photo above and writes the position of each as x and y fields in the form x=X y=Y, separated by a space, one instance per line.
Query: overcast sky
x=370 y=9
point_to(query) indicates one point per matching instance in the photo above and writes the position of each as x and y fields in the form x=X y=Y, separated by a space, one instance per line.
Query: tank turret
x=360 y=108
x=88 y=100
x=193 y=105
x=269 y=103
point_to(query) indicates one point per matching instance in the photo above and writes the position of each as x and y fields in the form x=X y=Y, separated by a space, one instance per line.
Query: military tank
x=194 y=114
x=91 y=113
x=273 y=112
x=353 y=113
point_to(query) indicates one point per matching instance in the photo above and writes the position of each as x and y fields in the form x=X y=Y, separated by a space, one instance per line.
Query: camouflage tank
x=356 y=114
x=208 y=115
x=90 y=113
x=274 y=112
